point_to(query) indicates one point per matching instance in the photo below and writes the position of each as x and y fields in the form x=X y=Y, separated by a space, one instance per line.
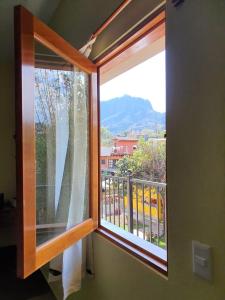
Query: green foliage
x=41 y=153
x=147 y=162
x=127 y=164
x=106 y=137
x=148 y=133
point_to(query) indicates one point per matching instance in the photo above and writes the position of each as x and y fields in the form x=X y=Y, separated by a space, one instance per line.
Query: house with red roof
x=122 y=146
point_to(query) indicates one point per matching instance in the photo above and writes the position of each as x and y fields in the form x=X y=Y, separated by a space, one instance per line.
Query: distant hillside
x=130 y=113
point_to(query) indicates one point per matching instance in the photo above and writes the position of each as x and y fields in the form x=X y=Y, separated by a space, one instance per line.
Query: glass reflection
x=61 y=126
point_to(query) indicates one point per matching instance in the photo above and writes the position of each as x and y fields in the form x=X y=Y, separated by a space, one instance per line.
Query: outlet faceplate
x=202 y=260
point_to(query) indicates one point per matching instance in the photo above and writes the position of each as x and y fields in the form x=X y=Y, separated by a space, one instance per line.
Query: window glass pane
x=133 y=141
x=61 y=126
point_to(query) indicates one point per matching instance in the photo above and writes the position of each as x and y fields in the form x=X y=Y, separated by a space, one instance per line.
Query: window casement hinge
x=176 y=3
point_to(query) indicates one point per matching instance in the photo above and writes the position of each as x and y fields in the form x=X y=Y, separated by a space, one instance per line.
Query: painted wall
x=77 y=20
x=196 y=159
x=7 y=131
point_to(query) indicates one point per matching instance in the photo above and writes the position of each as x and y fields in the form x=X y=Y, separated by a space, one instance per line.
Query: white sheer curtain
x=79 y=257
x=72 y=257
x=62 y=108
x=62 y=139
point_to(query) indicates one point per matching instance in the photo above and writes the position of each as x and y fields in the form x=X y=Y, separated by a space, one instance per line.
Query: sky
x=146 y=80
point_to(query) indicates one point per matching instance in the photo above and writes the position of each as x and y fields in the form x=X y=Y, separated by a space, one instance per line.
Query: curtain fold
x=72 y=257
x=67 y=166
x=62 y=139
x=79 y=257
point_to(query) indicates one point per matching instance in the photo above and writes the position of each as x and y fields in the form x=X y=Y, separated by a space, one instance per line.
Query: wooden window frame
x=28 y=29
x=148 y=31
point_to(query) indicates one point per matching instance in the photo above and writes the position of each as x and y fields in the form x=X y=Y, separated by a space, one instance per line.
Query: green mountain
x=130 y=113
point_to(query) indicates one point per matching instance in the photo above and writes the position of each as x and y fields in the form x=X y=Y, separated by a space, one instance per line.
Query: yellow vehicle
x=137 y=194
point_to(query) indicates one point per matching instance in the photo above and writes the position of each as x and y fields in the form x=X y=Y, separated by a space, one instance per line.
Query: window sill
x=147 y=253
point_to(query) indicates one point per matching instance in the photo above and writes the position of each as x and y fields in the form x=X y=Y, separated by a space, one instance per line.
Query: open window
x=133 y=141
x=58 y=158
x=57 y=143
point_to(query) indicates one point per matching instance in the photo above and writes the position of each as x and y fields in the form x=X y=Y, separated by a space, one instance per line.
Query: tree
x=127 y=165
x=147 y=162
x=106 y=137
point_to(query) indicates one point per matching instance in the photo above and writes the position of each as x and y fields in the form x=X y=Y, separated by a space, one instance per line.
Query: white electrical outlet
x=202 y=260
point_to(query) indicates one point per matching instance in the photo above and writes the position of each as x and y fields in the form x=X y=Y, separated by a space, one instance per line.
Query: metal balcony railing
x=137 y=206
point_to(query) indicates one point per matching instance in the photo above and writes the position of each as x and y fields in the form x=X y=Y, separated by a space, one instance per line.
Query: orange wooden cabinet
x=28 y=31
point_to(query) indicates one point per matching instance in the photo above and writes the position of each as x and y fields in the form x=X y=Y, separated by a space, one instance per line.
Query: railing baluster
x=101 y=197
x=105 y=199
x=130 y=204
x=123 y=199
x=118 y=198
x=114 y=206
x=143 y=210
x=158 y=222
x=137 y=222
x=165 y=219
x=110 y=220
x=150 y=213
x=114 y=203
